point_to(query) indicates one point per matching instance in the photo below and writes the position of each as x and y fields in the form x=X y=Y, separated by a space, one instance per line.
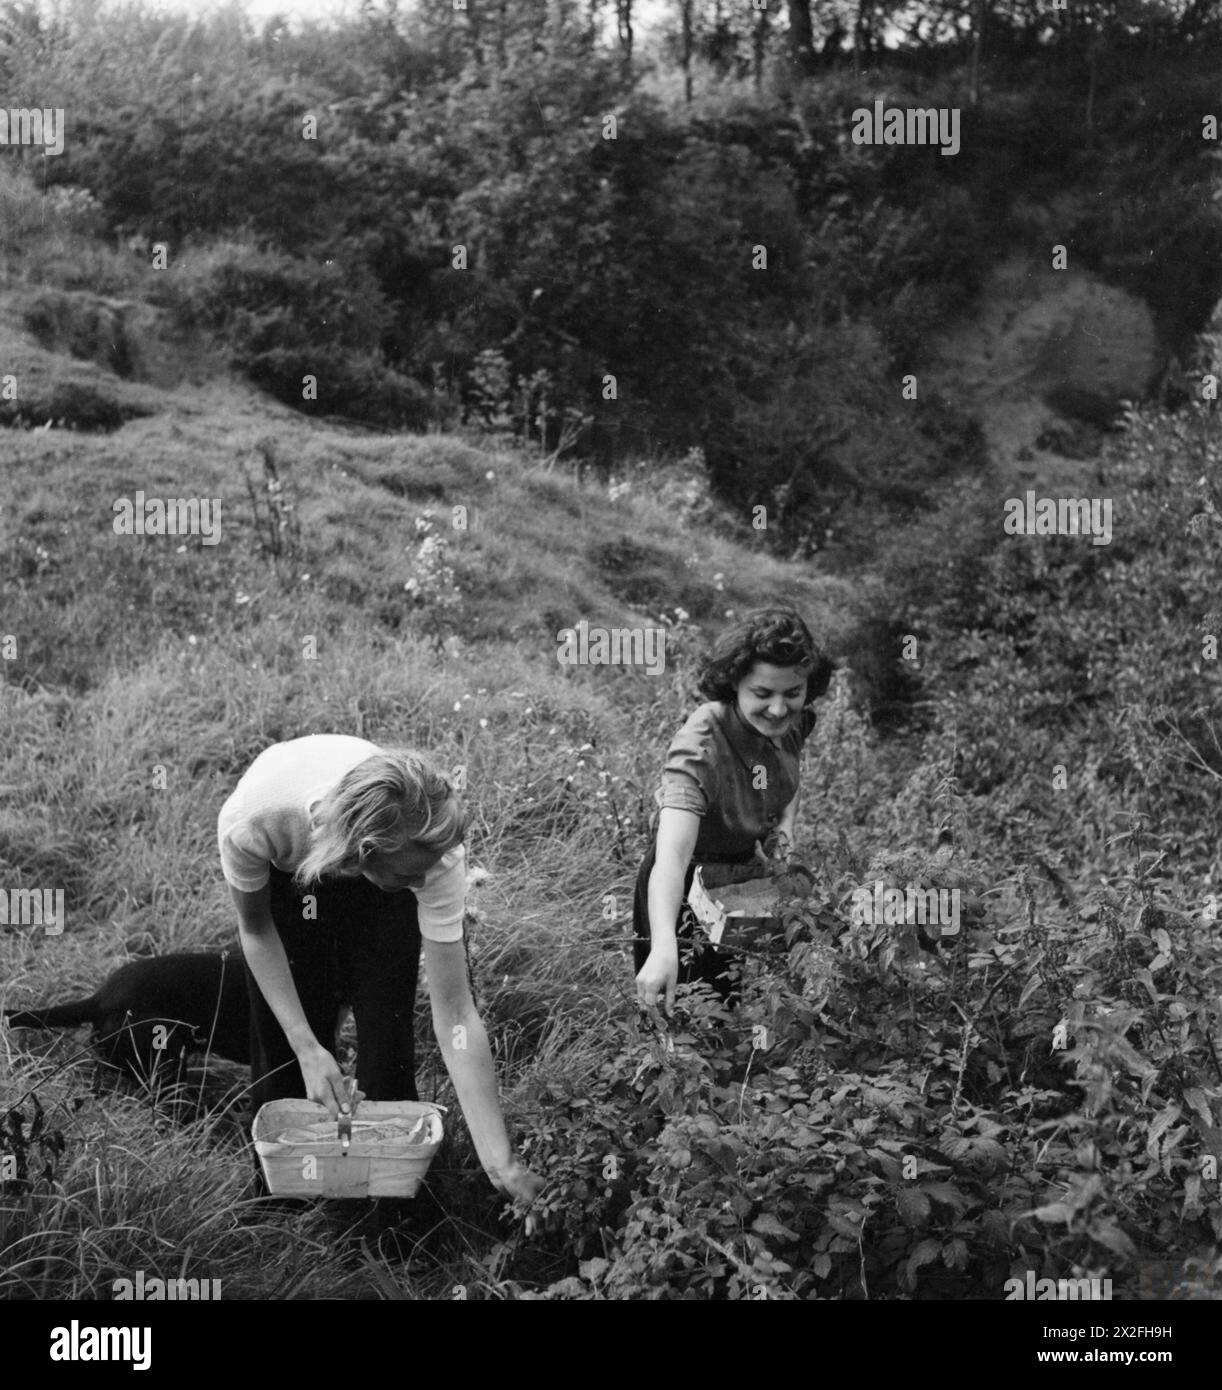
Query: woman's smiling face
x=770 y=698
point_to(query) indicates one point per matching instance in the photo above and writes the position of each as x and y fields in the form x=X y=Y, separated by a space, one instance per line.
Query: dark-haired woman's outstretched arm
x=677 y=832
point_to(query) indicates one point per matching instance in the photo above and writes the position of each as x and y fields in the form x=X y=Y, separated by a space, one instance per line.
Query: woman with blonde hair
x=342 y=858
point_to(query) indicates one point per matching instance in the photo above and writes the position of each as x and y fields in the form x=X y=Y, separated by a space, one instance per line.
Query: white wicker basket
x=370 y=1168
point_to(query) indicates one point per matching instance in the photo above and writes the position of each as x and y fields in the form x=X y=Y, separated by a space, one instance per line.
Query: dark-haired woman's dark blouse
x=736 y=780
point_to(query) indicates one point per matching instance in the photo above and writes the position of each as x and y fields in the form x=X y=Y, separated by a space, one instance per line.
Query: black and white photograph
x=609 y=663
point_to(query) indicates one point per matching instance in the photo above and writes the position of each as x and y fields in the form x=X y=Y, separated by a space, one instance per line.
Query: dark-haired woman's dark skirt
x=699 y=959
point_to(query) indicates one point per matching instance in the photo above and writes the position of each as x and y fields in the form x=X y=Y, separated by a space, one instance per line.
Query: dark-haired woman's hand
x=776 y=851
x=658 y=979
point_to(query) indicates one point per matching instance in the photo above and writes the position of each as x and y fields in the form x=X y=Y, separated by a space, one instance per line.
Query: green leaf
x=946 y=1194
x=1109 y=1235
x=891 y=1167
x=954 y=1254
x=767 y=1225
x=843 y=1226
x=1029 y=989
x=1054 y=1211
x=925 y=1253
x=913 y=1205
x=996 y=1227
x=1167 y=1116
x=1199 y=1103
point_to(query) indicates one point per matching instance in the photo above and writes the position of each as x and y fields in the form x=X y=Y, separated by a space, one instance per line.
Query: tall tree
x=759 y=45
x=801 y=42
x=864 y=39
x=979 y=12
x=623 y=18
x=685 y=12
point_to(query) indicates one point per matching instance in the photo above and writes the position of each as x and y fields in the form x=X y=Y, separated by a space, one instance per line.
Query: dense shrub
x=885 y=1116
x=1059 y=666
x=286 y=320
x=70 y=405
x=593 y=252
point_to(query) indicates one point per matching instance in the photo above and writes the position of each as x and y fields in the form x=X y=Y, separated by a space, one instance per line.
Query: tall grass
x=150 y=672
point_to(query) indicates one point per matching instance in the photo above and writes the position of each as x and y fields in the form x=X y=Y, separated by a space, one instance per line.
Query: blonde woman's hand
x=324 y=1082
x=516 y=1180
x=658 y=979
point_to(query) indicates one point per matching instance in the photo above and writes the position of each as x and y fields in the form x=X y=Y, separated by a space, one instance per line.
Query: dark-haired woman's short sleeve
x=689 y=778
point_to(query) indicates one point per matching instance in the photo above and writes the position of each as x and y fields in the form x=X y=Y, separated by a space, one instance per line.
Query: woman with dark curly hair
x=730 y=782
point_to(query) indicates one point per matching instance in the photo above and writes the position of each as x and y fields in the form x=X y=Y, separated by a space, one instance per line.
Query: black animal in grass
x=149 y=1014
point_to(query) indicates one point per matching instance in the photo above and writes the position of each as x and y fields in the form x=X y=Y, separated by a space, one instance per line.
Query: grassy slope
x=104 y=627
x=135 y=654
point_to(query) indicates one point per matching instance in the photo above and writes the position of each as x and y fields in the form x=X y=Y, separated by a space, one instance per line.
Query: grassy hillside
x=1041 y=1094
x=134 y=654
x=145 y=673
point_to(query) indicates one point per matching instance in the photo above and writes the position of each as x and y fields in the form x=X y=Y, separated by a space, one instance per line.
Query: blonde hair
x=393 y=797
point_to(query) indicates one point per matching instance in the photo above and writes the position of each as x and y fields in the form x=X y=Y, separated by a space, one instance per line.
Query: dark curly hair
x=775 y=635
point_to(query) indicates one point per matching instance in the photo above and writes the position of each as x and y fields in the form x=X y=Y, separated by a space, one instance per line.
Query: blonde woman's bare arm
x=264 y=952
x=464 y=1047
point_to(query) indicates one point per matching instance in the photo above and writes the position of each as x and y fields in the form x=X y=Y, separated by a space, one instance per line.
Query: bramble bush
x=884 y=1117
x=889 y=1115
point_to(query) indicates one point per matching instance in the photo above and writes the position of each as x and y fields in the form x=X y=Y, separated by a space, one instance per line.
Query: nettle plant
x=887 y=1115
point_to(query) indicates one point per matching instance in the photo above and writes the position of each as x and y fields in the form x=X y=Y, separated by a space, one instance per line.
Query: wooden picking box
x=746 y=908
x=370 y=1168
